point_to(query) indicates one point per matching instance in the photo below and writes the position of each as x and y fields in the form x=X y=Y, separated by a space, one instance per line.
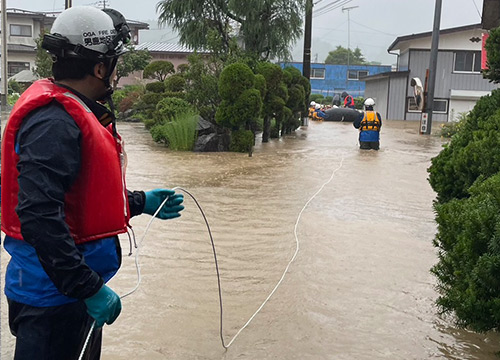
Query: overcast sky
x=374 y=24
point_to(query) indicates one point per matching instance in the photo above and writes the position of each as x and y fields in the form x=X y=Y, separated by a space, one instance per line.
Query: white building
x=459 y=82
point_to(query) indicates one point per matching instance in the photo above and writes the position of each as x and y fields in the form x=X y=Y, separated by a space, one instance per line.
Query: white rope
x=139 y=279
x=293 y=257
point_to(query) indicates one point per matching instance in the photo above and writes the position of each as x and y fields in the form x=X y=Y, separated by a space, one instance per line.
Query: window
x=467 y=61
x=317 y=73
x=440 y=106
x=14 y=67
x=20 y=30
x=356 y=74
x=352 y=75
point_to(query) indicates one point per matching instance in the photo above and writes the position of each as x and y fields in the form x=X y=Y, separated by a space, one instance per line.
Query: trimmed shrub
x=468 y=240
x=175 y=94
x=175 y=83
x=234 y=80
x=473 y=153
x=242 y=141
x=316 y=98
x=157 y=87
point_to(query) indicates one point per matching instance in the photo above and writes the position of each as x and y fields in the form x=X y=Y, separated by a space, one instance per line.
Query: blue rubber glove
x=104 y=306
x=170 y=209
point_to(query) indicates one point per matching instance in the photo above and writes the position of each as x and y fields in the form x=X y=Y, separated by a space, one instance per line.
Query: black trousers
x=53 y=333
x=367 y=145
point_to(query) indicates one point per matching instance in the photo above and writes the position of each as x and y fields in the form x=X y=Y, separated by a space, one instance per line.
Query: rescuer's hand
x=170 y=209
x=104 y=306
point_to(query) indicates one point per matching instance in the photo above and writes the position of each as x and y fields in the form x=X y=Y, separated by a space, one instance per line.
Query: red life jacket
x=96 y=205
x=349 y=101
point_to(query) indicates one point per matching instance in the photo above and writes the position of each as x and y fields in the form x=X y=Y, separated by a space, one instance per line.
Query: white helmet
x=369 y=102
x=313 y=103
x=87 y=32
x=317 y=106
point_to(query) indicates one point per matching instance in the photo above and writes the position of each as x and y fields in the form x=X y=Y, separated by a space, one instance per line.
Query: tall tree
x=265 y=28
x=43 y=60
x=132 y=60
x=339 y=56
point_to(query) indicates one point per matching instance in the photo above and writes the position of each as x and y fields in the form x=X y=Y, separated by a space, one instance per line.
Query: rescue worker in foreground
x=348 y=101
x=369 y=124
x=64 y=199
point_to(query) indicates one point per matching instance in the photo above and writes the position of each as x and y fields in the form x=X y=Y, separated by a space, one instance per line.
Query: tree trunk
x=267 y=129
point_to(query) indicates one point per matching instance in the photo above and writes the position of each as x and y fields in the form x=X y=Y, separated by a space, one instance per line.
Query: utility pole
x=426 y=120
x=5 y=85
x=348 y=9
x=306 y=62
x=68 y=4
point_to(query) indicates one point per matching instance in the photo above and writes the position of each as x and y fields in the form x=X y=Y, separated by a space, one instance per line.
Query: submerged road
x=359 y=288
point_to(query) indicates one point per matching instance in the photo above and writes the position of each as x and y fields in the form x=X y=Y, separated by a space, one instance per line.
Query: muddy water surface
x=359 y=288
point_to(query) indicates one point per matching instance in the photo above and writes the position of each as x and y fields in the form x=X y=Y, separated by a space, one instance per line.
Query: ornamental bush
x=156 y=87
x=468 y=270
x=473 y=153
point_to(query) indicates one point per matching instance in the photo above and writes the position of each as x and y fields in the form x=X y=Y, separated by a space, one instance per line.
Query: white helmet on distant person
x=369 y=102
x=313 y=103
x=317 y=106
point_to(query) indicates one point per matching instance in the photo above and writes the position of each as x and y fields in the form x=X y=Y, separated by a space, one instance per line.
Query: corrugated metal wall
x=403 y=61
x=378 y=90
x=446 y=80
x=397 y=98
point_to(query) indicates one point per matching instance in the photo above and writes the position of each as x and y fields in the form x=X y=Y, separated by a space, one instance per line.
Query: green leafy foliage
x=175 y=83
x=468 y=240
x=473 y=153
x=234 y=80
x=267 y=28
x=272 y=102
x=242 y=141
x=341 y=56
x=317 y=98
x=43 y=60
x=132 y=60
x=202 y=89
x=179 y=133
x=170 y=108
x=493 y=61
x=449 y=129
x=359 y=103
x=158 y=70
x=157 y=87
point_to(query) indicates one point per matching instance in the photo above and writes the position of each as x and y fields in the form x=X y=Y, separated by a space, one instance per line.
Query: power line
x=478 y=12
x=370 y=28
x=330 y=7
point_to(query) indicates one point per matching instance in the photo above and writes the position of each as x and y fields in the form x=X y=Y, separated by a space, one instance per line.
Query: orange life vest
x=370 y=122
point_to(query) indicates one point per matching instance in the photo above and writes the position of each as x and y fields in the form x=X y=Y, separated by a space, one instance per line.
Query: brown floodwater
x=359 y=288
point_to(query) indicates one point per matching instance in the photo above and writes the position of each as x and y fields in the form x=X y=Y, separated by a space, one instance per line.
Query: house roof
x=166 y=47
x=404 y=38
x=24 y=76
x=385 y=75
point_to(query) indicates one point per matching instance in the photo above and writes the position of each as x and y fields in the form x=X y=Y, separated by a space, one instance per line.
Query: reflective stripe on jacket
x=96 y=206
